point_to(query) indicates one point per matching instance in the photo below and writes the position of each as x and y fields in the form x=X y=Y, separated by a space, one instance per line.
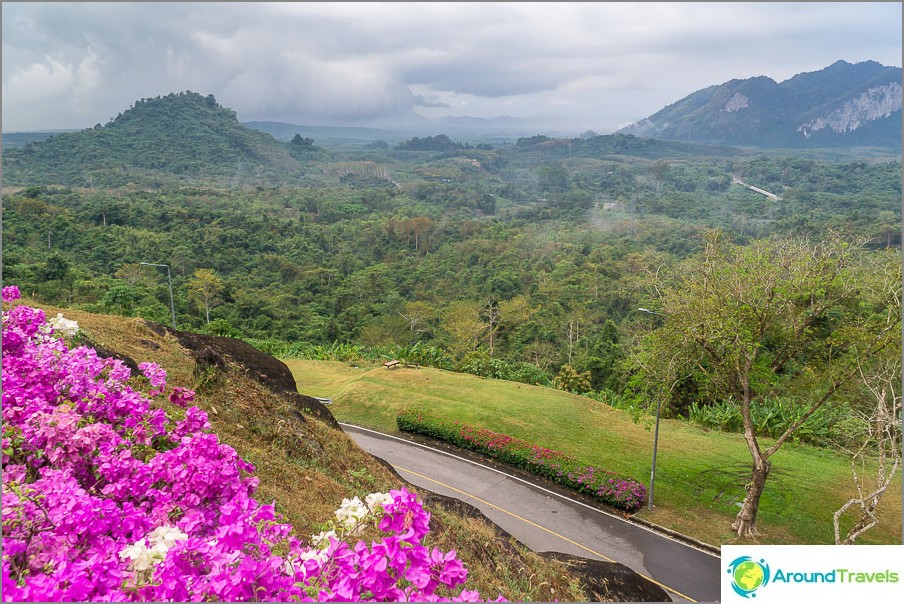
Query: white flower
x=378 y=499
x=351 y=512
x=63 y=326
x=143 y=558
x=322 y=539
x=164 y=537
x=139 y=554
x=314 y=554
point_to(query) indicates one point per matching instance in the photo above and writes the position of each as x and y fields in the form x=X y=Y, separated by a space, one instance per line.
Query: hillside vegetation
x=307 y=466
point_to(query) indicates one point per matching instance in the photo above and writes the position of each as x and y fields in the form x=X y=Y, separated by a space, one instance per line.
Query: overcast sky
x=572 y=66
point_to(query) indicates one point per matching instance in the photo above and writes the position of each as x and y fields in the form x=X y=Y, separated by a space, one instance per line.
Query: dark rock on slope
x=263 y=368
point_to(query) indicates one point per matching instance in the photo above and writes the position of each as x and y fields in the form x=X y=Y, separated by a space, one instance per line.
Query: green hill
x=178 y=137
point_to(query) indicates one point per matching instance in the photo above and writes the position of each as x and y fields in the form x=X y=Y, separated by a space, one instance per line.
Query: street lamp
x=653 y=467
x=655 y=433
x=170 y=282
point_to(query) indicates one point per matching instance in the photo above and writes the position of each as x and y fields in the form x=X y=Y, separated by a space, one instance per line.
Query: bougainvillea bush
x=114 y=493
x=602 y=485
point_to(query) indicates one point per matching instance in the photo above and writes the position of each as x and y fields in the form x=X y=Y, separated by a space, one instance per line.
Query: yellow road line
x=542 y=528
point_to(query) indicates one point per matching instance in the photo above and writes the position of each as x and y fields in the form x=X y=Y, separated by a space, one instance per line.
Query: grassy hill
x=177 y=137
x=700 y=475
x=306 y=466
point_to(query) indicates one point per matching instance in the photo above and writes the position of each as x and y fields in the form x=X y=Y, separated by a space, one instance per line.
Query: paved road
x=547 y=521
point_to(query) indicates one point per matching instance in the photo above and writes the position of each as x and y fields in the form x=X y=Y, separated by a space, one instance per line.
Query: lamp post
x=170 y=283
x=653 y=467
x=655 y=432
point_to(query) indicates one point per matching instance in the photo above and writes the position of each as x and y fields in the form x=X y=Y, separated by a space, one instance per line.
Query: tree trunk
x=207 y=312
x=745 y=522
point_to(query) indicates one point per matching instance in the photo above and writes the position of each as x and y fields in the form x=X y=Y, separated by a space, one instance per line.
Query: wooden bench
x=415 y=365
x=390 y=364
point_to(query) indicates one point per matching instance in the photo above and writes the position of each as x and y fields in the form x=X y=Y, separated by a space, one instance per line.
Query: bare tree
x=492 y=314
x=876 y=434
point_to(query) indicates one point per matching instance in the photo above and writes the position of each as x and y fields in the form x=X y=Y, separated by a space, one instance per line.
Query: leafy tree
x=221 y=327
x=660 y=171
x=418 y=315
x=206 y=287
x=119 y=299
x=440 y=142
x=570 y=380
x=131 y=273
x=463 y=327
x=552 y=178
x=56 y=267
x=299 y=141
x=776 y=317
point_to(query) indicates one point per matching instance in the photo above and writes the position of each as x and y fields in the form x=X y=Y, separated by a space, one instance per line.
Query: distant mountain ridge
x=285 y=132
x=843 y=105
x=185 y=134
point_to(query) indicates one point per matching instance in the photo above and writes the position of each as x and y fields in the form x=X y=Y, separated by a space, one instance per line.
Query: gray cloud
x=593 y=65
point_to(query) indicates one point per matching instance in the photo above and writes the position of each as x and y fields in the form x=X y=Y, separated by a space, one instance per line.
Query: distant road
x=737 y=181
x=547 y=521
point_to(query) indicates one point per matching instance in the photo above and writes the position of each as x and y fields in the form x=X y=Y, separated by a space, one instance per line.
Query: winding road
x=545 y=520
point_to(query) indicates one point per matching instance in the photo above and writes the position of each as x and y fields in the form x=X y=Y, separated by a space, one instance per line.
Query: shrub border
x=602 y=485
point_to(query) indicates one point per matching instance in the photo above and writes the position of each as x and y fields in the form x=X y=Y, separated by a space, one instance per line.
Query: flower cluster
x=603 y=485
x=397 y=568
x=63 y=326
x=107 y=498
x=142 y=558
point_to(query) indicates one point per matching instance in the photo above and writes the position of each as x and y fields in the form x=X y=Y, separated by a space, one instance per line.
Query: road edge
x=542 y=483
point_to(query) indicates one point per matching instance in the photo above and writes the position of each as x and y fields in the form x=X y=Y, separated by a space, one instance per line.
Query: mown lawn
x=700 y=475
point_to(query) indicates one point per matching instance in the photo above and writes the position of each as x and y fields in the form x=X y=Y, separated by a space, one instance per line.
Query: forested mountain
x=181 y=136
x=842 y=105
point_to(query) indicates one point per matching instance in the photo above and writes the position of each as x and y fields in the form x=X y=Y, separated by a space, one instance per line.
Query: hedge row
x=623 y=493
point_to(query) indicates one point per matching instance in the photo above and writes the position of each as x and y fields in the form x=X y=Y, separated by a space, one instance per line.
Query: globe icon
x=748 y=575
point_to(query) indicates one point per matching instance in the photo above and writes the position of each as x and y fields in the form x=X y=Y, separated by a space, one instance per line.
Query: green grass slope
x=700 y=475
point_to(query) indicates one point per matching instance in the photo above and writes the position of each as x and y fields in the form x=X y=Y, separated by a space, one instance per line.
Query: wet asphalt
x=543 y=518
